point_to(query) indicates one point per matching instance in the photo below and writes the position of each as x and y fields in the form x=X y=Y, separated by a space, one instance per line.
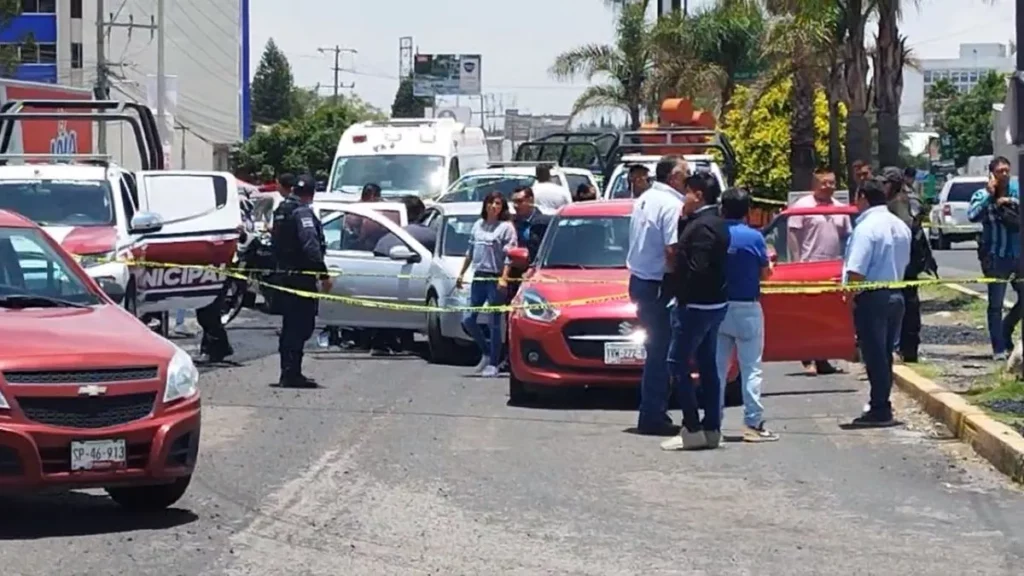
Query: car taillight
x=358 y=139
x=947 y=211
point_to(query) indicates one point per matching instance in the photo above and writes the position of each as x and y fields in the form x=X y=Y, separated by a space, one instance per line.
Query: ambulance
x=153 y=239
x=420 y=156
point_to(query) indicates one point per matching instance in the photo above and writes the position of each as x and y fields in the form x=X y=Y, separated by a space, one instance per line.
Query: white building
x=964 y=72
x=204 y=42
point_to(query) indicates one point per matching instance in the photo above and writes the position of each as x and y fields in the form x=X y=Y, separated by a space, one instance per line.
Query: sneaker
x=323 y=340
x=381 y=352
x=489 y=372
x=873 y=420
x=714 y=438
x=759 y=434
x=1001 y=357
x=484 y=362
x=182 y=331
x=686 y=440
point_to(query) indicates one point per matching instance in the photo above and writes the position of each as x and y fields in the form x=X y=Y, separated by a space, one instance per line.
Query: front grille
x=88 y=412
x=593 y=349
x=95 y=376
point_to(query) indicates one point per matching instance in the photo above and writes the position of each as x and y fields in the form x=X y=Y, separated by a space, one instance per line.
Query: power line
x=337 y=69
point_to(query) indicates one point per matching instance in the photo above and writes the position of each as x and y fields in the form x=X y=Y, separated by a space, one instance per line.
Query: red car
x=89 y=396
x=590 y=336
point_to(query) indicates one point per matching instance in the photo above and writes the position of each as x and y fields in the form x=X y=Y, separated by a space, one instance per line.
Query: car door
x=200 y=233
x=801 y=325
x=376 y=281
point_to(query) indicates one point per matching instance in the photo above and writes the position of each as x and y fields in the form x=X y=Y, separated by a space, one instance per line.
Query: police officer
x=298 y=244
x=214 y=346
x=905 y=204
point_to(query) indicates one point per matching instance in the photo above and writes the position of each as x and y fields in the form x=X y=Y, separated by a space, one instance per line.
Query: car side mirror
x=112 y=289
x=520 y=257
x=404 y=254
x=146 y=223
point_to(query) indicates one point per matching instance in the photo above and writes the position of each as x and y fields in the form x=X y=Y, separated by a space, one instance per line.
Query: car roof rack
x=558 y=148
x=521 y=164
x=645 y=141
x=138 y=116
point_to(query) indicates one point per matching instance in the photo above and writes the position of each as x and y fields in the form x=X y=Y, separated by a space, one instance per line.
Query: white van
x=404 y=156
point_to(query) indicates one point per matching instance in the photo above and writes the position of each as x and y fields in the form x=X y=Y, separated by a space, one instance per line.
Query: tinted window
x=962 y=191
x=590 y=242
x=59 y=202
x=575 y=180
x=353 y=232
x=29 y=265
x=397 y=175
x=455 y=241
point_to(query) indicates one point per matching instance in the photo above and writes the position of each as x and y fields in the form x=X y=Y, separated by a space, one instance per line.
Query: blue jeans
x=742 y=332
x=652 y=312
x=179 y=318
x=695 y=335
x=877 y=315
x=484 y=290
x=1000 y=330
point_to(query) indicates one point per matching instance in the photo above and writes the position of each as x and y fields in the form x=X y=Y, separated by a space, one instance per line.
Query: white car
x=948 y=218
x=505 y=177
x=410 y=275
x=617 y=186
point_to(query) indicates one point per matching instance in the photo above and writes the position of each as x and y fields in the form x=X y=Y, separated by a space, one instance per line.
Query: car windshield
x=32 y=271
x=586 y=242
x=59 y=202
x=397 y=175
x=475 y=187
x=455 y=239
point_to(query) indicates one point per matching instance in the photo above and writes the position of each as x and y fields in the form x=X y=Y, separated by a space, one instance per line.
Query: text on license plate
x=624 y=353
x=98 y=454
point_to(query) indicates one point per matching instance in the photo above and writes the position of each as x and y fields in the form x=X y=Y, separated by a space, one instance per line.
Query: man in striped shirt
x=999 y=249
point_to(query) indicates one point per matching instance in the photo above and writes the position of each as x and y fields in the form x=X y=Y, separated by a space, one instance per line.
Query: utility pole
x=1018 y=113
x=338 y=51
x=161 y=75
x=103 y=27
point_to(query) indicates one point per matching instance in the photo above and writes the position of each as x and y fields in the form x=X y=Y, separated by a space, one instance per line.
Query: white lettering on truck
x=179 y=277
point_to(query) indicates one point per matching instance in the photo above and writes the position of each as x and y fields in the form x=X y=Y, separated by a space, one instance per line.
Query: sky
x=519 y=40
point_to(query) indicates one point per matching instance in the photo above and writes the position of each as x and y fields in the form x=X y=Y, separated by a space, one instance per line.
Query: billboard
x=446 y=75
x=71 y=136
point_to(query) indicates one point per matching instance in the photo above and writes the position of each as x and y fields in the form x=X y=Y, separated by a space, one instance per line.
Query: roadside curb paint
x=992 y=440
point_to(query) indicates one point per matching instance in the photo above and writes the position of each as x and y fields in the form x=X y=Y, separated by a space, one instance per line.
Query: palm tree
x=627 y=66
x=888 y=81
x=855 y=76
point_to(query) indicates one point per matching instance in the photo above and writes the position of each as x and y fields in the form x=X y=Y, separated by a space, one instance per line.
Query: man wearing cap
x=299 y=246
x=905 y=205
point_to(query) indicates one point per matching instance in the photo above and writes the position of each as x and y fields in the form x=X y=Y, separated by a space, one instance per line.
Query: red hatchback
x=590 y=335
x=89 y=396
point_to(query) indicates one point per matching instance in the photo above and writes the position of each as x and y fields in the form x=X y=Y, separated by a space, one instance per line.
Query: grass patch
x=928 y=370
x=945 y=299
x=1002 y=395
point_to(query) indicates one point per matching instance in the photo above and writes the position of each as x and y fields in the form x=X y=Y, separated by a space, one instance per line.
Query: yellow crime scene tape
x=784 y=287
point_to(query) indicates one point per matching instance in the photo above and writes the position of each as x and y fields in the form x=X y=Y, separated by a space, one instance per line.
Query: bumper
x=539 y=355
x=35 y=457
x=116 y=272
x=954 y=230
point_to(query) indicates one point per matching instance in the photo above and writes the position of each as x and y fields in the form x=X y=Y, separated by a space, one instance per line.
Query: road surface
x=399 y=467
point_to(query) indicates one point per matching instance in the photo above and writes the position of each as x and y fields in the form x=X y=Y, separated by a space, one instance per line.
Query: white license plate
x=98 y=454
x=624 y=353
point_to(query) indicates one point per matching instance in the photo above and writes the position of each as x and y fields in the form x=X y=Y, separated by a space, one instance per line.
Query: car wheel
x=944 y=243
x=518 y=393
x=130 y=302
x=734 y=392
x=150 y=498
x=442 y=350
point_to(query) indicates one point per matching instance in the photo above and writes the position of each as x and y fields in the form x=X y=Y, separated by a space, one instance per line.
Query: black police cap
x=305 y=184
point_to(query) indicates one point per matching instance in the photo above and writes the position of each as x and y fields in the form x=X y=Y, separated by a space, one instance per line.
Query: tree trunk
x=855 y=72
x=802 y=160
x=888 y=76
x=634 y=117
x=834 y=93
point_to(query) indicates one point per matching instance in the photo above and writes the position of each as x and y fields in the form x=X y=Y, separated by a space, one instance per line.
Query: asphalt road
x=399 y=467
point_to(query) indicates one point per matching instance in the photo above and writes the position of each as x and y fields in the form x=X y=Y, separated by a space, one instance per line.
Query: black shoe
x=873 y=420
x=299 y=381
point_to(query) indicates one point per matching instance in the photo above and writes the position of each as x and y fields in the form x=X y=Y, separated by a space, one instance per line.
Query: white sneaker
x=489 y=372
x=484 y=362
x=686 y=441
x=714 y=439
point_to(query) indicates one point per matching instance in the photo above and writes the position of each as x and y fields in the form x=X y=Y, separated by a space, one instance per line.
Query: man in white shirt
x=547 y=195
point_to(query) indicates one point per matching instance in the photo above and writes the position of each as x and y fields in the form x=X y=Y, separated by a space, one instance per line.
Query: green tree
x=407 y=105
x=761 y=136
x=273 y=87
x=967 y=118
x=9 y=52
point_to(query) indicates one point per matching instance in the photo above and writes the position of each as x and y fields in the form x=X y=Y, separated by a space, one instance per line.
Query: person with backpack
x=997 y=208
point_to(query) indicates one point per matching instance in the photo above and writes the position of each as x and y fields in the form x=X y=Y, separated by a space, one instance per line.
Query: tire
x=234 y=300
x=442 y=350
x=130 y=302
x=944 y=243
x=518 y=393
x=150 y=498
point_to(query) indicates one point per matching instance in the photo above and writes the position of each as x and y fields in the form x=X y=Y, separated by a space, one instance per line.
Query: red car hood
x=58 y=338
x=84 y=240
x=563 y=285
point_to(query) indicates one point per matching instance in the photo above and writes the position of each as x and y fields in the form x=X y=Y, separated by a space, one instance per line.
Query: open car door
x=399 y=277
x=807 y=326
x=201 y=216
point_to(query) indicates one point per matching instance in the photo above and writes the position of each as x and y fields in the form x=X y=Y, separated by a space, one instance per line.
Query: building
x=974 y=61
x=206 y=56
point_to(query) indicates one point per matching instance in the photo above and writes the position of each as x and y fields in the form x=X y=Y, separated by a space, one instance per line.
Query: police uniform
x=298 y=245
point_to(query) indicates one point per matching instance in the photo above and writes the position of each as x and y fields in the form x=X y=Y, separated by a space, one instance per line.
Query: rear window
x=575 y=180
x=962 y=191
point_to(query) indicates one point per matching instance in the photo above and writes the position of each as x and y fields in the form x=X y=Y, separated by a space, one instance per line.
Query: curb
x=994 y=441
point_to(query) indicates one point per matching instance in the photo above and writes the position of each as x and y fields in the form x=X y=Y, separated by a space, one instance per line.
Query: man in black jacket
x=698 y=283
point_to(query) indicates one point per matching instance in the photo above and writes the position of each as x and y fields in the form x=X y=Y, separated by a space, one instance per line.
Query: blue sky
x=518 y=40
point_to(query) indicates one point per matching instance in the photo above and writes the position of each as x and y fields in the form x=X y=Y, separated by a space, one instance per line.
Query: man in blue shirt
x=653 y=230
x=742 y=331
x=878 y=251
x=999 y=249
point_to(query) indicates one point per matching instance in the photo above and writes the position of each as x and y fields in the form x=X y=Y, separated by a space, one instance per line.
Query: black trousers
x=910 y=328
x=215 y=342
x=298 y=320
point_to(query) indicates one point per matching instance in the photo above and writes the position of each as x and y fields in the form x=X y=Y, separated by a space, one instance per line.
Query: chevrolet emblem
x=92 y=390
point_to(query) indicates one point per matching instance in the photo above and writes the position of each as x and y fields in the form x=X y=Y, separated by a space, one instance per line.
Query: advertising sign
x=48 y=136
x=446 y=75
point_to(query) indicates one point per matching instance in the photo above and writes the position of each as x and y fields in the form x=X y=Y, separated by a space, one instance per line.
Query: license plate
x=624 y=353
x=98 y=454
